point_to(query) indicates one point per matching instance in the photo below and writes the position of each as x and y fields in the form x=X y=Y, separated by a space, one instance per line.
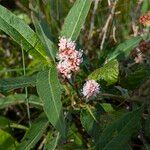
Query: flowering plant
x=83 y=80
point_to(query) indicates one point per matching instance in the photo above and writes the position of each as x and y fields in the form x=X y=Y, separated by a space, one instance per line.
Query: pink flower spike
x=69 y=58
x=91 y=89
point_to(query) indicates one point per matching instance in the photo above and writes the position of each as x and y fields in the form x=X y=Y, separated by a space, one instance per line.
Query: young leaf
x=75 y=19
x=7 y=141
x=48 y=88
x=18 y=82
x=34 y=134
x=109 y=73
x=123 y=49
x=119 y=132
x=21 y=33
x=17 y=99
x=49 y=45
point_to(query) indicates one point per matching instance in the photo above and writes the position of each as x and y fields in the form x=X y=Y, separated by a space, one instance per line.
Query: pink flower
x=69 y=58
x=66 y=44
x=91 y=89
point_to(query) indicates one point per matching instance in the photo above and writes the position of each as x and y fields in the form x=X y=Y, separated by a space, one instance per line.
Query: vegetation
x=75 y=74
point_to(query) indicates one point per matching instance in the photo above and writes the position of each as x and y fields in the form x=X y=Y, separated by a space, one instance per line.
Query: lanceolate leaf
x=123 y=49
x=48 y=88
x=119 y=132
x=18 y=82
x=34 y=134
x=109 y=73
x=17 y=99
x=21 y=33
x=75 y=19
x=49 y=45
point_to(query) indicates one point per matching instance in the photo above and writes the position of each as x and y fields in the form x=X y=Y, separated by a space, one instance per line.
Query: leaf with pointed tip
x=49 y=90
x=21 y=33
x=75 y=19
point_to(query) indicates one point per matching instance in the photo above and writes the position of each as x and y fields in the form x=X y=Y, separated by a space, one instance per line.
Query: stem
x=120 y=98
x=26 y=90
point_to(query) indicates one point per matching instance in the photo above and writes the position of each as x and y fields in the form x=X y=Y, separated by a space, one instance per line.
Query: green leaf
x=124 y=49
x=51 y=144
x=107 y=107
x=21 y=33
x=49 y=45
x=109 y=73
x=119 y=132
x=17 y=99
x=90 y=121
x=145 y=6
x=18 y=82
x=7 y=141
x=34 y=134
x=75 y=19
x=49 y=90
x=76 y=136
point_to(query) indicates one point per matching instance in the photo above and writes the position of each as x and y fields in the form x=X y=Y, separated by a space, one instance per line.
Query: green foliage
x=119 y=132
x=21 y=33
x=49 y=45
x=34 y=134
x=51 y=142
x=75 y=19
x=60 y=117
x=7 y=141
x=124 y=49
x=136 y=77
x=109 y=73
x=18 y=99
x=18 y=82
x=48 y=88
x=90 y=120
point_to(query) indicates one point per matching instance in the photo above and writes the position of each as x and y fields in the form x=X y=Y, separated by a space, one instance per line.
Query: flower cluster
x=69 y=58
x=145 y=19
x=91 y=89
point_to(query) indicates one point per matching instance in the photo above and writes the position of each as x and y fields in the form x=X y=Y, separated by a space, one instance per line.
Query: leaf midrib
x=53 y=99
x=23 y=36
x=78 y=19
